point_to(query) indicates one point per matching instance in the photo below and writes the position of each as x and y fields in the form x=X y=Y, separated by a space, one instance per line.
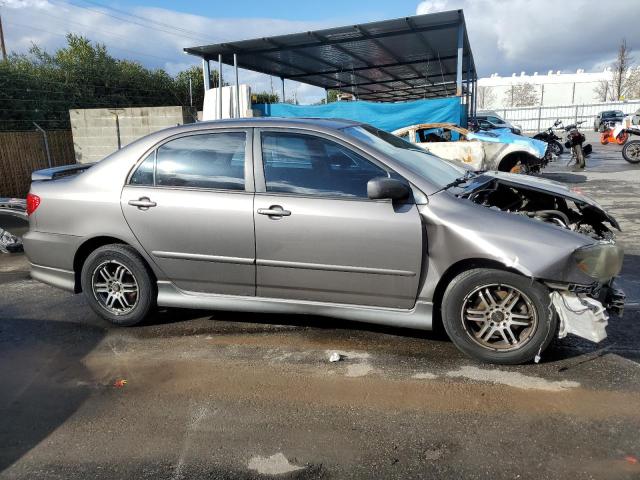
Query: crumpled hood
x=504 y=135
x=549 y=186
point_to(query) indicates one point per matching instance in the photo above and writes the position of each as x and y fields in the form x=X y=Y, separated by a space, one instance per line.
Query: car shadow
x=44 y=381
x=171 y=322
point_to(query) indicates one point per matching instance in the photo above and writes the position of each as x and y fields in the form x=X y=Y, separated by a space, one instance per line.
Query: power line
x=146 y=19
x=101 y=12
x=30 y=27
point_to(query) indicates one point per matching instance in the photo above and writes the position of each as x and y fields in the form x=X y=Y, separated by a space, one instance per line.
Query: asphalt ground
x=226 y=395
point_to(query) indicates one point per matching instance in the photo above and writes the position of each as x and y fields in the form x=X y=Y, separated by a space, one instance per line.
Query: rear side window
x=144 y=174
x=212 y=160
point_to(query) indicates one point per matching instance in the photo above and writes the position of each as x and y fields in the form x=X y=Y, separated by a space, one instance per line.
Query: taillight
x=33 y=202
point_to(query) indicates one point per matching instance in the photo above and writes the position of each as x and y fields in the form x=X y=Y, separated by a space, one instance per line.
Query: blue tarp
x=386 y=116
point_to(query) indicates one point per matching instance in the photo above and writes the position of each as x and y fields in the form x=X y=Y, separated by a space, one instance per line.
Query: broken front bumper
x=585 y=313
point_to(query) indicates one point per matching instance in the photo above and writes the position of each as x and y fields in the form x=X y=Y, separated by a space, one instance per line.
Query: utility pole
x=2 y=47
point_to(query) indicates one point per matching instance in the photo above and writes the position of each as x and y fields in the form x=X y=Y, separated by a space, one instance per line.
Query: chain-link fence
x=535 y=119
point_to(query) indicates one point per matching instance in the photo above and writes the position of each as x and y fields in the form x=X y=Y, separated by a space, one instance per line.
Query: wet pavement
x=226 y=395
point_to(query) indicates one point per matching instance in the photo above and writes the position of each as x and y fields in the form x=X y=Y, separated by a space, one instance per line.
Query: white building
x=553 y=88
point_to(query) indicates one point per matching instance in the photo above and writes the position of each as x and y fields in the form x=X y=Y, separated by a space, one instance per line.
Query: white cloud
x=46 y=22
x=431 y=6
x=515 y=35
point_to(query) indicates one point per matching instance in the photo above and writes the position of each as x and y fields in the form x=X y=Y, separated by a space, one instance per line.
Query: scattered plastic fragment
x=631 y=460
x=335 y=357
x=120 y=383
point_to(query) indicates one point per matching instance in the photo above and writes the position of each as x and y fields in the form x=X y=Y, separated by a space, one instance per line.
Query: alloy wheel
x=115 y=287
x=499 y=317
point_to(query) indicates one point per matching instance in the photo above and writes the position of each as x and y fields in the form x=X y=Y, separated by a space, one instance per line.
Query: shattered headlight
x=601 y=261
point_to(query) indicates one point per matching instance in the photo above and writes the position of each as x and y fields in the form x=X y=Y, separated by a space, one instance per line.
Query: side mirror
x=382 y=187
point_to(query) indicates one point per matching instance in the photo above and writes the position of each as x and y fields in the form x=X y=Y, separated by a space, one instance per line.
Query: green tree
x=42 y=87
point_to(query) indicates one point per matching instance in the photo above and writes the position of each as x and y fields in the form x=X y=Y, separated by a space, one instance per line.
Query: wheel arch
x=90 y=245
x=456 y=269
x=507 y=162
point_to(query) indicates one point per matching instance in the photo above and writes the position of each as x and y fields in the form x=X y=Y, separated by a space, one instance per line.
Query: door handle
x=142 y=203
x=274 y=211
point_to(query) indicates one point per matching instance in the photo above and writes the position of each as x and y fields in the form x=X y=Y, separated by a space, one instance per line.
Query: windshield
x=407 y=154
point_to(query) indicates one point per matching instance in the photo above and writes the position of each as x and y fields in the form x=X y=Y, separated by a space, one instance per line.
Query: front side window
x=310 y=165
x=212 y=160
x=408 y=155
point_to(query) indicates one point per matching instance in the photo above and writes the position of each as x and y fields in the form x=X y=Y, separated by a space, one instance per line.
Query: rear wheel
x=118 y=284
x=631 y=151
x=498 y=317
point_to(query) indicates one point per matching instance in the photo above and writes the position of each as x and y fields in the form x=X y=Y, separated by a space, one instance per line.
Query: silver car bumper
x=51 y=256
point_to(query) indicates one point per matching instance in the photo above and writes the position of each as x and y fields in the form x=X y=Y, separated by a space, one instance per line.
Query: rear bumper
x=55 y=277
x=51 y=256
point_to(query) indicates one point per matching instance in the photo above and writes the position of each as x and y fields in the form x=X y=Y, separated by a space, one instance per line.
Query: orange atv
x=611 y=134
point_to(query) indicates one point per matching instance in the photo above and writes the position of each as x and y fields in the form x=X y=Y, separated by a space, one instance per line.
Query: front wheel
x=118 y=285
x=498 y=317
x=579 y=154
x=631 y=151
x=622 y=138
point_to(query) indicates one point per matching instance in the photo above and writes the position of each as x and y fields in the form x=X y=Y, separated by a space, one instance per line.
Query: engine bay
x=569 y=213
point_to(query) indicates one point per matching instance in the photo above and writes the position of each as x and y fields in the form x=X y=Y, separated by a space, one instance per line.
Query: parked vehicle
x=549 y=136
x=602 y=118
x=490 y=120
x=631 y=150
x=609 y=134
x=495 y=150
x=574 y=141
x=326 y=217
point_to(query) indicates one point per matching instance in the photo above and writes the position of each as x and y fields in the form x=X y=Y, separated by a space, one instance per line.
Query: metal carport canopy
x=409 y=58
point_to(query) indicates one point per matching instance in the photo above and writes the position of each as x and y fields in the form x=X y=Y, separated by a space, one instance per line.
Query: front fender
x=459 y=230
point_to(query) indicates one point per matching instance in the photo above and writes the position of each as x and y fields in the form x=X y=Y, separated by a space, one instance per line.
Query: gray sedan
x=326 y=217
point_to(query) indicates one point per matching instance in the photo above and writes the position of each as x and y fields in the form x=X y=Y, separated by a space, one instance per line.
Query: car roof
x=280 y=121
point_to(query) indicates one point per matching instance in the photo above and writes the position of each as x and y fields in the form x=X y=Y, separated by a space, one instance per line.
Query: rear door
x=319 y=237
x=190 y=204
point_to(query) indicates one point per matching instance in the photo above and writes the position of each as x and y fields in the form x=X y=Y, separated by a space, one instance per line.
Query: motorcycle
x=631 y=150
x=550 y=137
x=613 y=133
x=574 y=141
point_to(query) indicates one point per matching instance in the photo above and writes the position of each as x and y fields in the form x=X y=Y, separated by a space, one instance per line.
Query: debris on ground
x=120 y=383
x=9 y=243
x=335 y=357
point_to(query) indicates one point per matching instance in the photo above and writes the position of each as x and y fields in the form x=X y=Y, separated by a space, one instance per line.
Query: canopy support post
x=219 y=86
x=282 y=80
x=206 y=74
x=235 y=66
x=460 y=55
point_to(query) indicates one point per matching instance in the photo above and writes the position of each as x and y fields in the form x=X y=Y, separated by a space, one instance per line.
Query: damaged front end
x=582 y=308
x=542 y=200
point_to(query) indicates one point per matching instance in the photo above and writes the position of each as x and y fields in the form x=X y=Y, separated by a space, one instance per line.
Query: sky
x=506 y=35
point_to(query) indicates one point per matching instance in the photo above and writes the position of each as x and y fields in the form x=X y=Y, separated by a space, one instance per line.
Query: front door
x=319 y=237
x=190 y=204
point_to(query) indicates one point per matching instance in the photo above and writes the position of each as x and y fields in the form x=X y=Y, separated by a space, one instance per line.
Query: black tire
x=137 y=272
x=631 y=151
x=556 y=147
x=534 y=297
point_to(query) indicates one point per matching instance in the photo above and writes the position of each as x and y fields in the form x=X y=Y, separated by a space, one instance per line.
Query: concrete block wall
x=95 y=134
